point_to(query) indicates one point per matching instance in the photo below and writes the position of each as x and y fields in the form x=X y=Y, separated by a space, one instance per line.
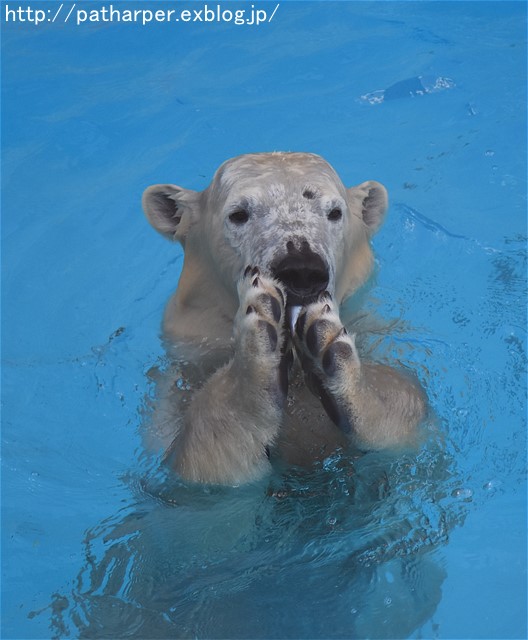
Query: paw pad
x=322 y=341
x=300 y=324
x=272 y=333
x=259 y=332
x=316 y=335
x=334 y=355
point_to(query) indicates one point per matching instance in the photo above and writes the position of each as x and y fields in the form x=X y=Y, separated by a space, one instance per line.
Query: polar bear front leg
x=261 y=359
x=373 y=404
x=234 y=418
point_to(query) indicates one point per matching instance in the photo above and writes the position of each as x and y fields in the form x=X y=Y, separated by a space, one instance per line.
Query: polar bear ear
x=170 y=209
x=370 y=202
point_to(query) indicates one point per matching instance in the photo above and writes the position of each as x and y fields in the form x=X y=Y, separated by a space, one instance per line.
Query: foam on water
x=410 y=88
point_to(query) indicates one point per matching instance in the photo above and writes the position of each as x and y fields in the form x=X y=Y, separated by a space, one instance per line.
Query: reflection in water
x=345 y=550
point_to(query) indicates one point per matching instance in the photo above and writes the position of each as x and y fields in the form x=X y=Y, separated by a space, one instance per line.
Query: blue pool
x=429 y=98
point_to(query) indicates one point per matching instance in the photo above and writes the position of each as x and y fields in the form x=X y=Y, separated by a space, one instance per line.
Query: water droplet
x=489 y=153
x=182 y=384
x=387 y=601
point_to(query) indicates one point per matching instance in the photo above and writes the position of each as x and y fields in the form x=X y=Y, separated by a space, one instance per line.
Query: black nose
x=303 y=272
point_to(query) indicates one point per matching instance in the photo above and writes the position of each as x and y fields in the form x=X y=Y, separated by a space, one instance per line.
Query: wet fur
x=295 y=394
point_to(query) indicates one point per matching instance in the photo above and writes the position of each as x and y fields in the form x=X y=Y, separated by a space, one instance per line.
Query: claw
x=294 y=314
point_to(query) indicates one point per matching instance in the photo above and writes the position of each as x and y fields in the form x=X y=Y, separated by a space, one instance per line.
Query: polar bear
x=272 y=248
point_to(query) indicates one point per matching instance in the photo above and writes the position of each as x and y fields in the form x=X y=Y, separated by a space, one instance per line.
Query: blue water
x=428 y=98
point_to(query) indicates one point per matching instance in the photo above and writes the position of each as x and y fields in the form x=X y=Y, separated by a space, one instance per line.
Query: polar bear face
x=287 y=213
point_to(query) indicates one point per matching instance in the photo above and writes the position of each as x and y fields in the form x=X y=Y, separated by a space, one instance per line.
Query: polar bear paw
x=323 y=340
x=259 y=323
x=260 y=335
x=328 y=356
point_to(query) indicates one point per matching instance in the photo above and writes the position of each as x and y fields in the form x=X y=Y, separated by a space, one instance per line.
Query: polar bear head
x=287 y=213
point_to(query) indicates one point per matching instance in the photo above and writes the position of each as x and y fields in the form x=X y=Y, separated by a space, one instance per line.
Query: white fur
x=224 y=319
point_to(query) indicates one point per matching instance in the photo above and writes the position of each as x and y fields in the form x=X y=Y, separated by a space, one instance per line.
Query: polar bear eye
x=240 y=216
x=335 y=214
